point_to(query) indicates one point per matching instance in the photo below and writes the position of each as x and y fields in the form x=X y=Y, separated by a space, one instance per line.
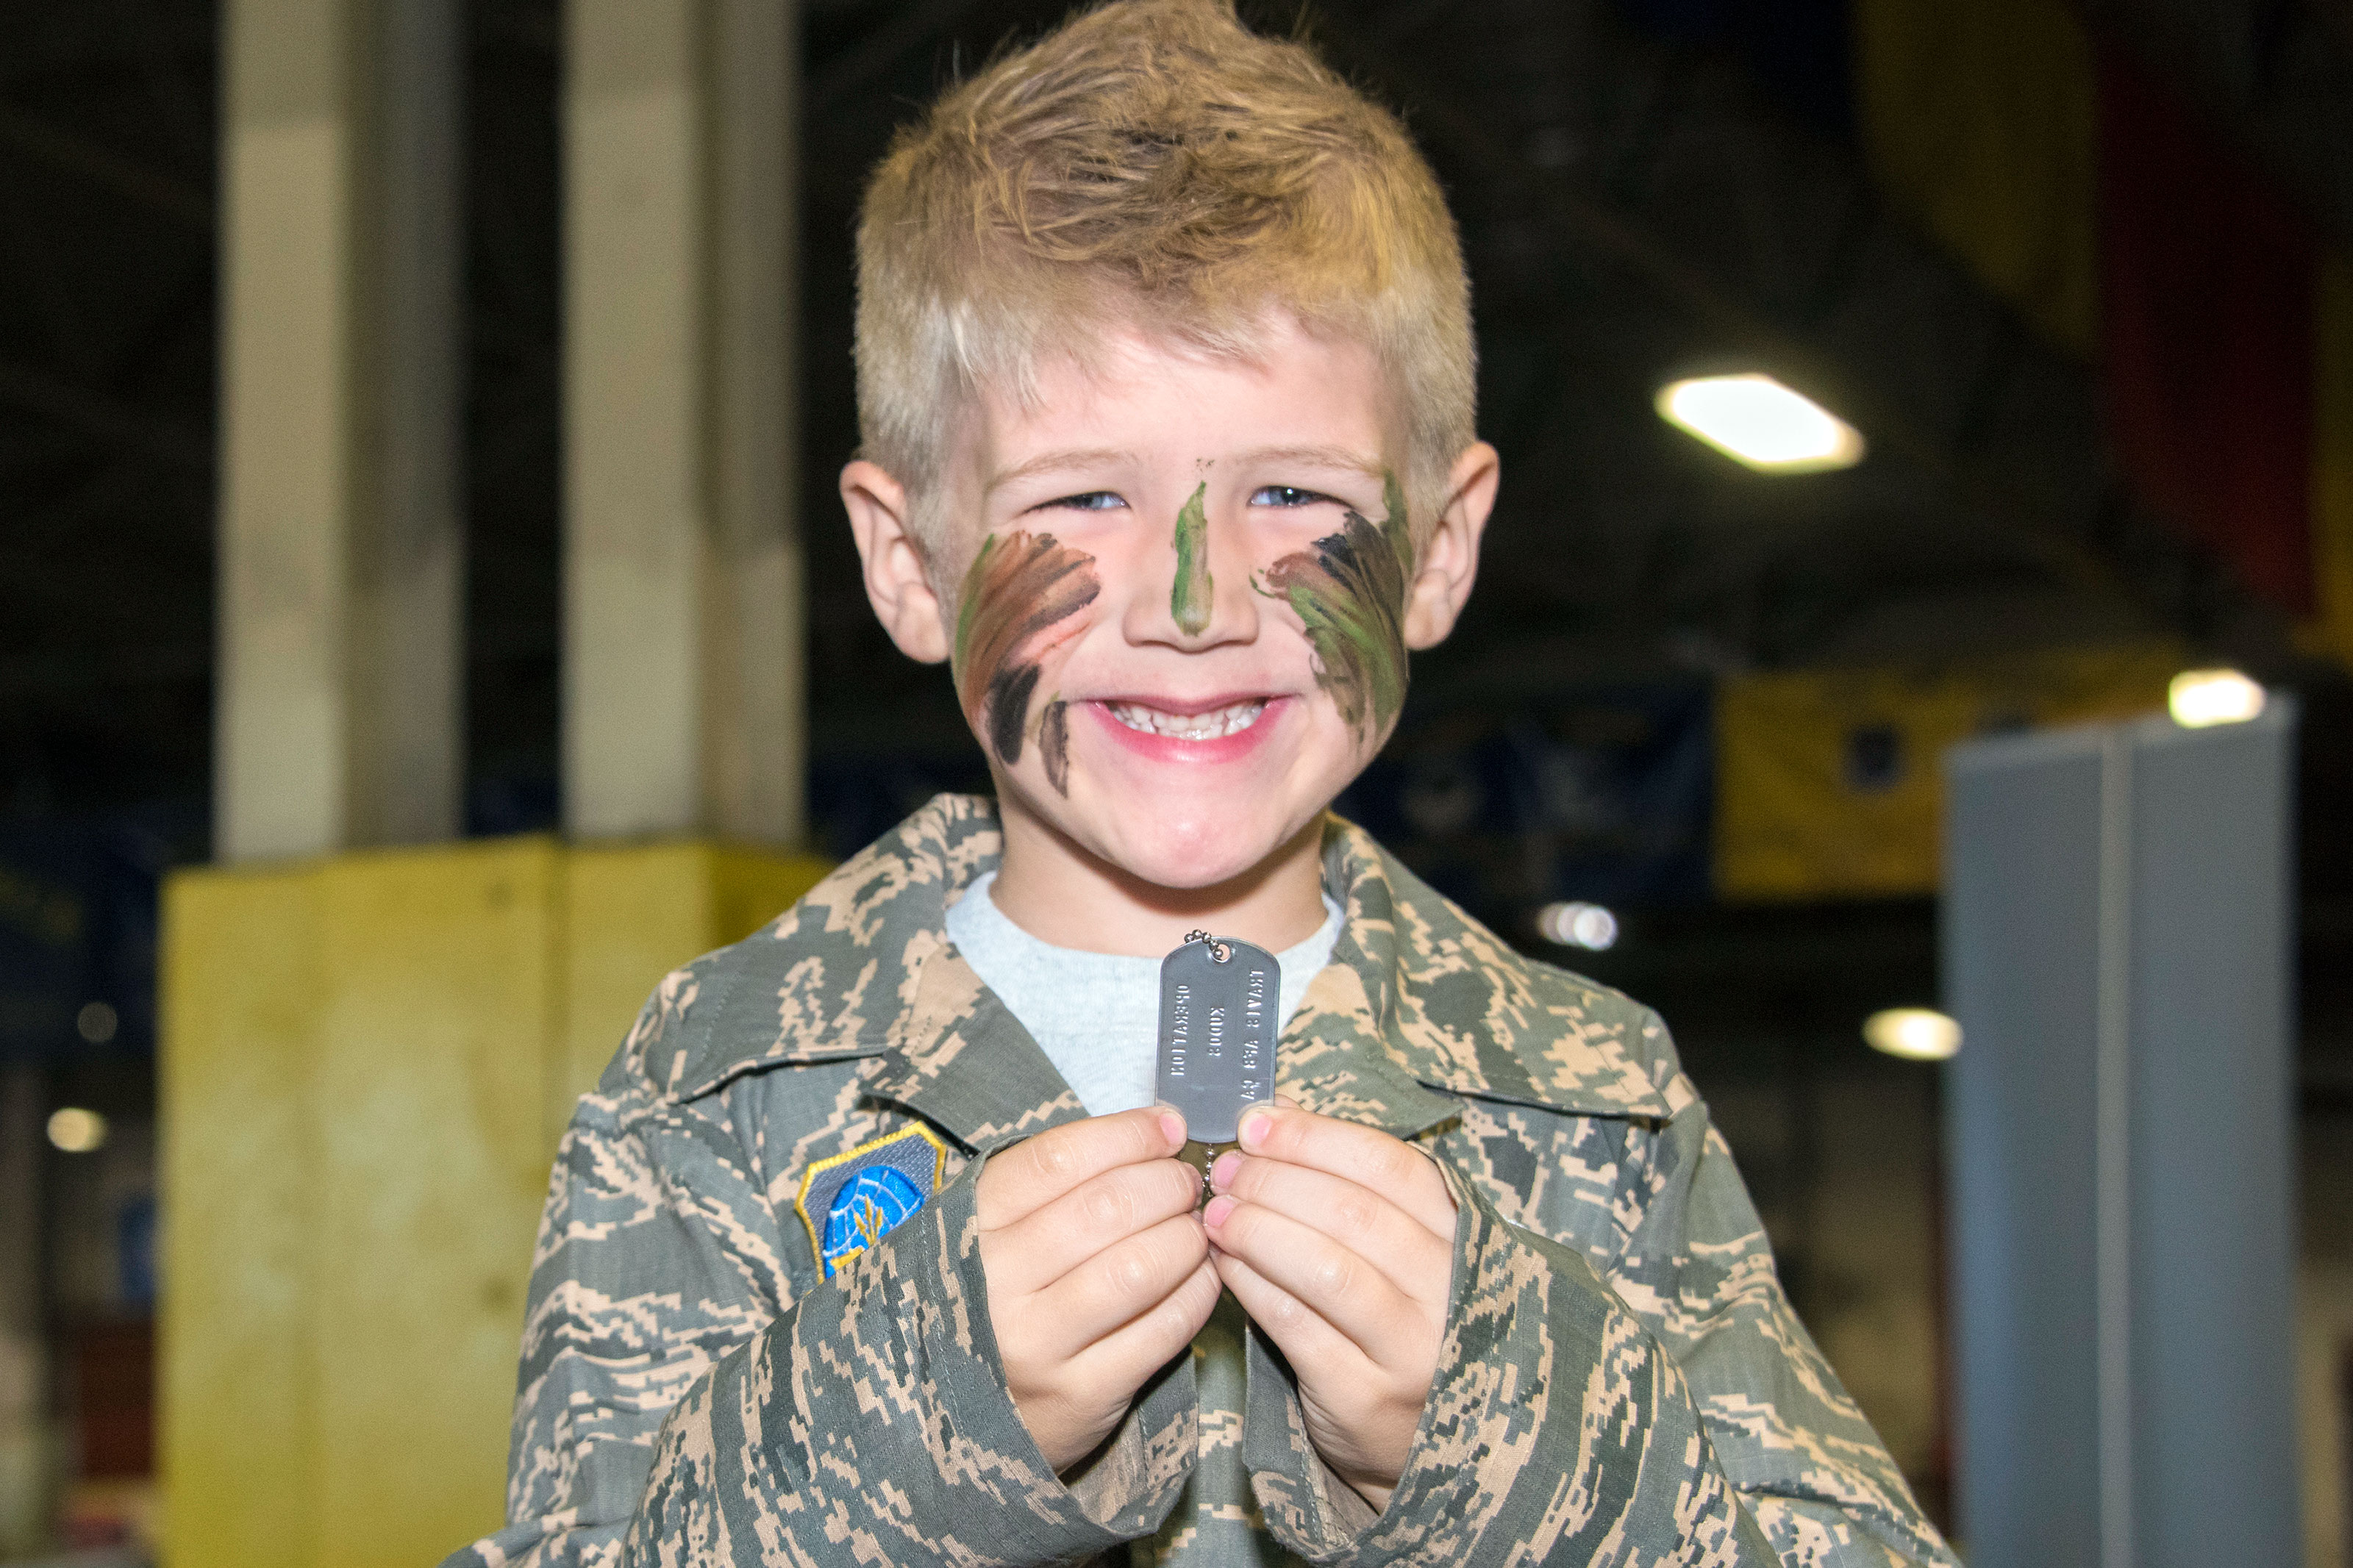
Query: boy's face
x=1184 y=589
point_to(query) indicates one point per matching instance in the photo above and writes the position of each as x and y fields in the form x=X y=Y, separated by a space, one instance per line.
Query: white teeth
x=1208 y=726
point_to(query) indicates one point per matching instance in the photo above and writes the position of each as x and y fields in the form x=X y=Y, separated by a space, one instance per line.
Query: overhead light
x=1915 y=1033
x=96 y=1022
x=1754 y=419
x=1588 y=926
x=76 y=1130
x=2199 y=698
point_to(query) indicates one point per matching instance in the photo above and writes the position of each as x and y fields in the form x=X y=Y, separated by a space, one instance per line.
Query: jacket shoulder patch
x=850 y=1202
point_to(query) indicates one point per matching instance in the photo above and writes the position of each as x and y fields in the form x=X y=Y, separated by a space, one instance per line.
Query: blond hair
x=1155 y=163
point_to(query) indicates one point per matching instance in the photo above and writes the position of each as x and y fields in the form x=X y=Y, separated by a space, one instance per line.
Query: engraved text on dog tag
x=1218 y=1001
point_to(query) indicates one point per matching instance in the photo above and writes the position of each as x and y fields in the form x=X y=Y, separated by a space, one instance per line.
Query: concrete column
x=683 y=618
x=340 y=690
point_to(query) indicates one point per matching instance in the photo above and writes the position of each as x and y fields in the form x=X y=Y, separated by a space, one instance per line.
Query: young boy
x=873 y=1246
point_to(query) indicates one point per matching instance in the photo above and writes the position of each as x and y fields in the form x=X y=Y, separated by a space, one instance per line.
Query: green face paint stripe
x=1190 y=596
x=973 y=578
x=1348 y=590
x=1358 y=646
x=1393 y=527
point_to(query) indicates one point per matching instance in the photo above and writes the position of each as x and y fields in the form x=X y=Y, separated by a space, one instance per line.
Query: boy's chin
x=1174 y=849
x=1189 y=865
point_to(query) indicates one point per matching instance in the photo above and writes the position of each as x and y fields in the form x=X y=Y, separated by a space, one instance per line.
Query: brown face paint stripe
x=1349 y=591
x=1020 y=584
x=1054 y=744
x=1190 y=596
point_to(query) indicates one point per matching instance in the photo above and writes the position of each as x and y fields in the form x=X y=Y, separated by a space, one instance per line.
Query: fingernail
x=1252 y=1131
x=1221 y=1174
x=1172 y=1127
x=1220 y=1207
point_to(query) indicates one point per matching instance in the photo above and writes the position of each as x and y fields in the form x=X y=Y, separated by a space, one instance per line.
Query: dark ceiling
x=1631 y=205
x=105 y=395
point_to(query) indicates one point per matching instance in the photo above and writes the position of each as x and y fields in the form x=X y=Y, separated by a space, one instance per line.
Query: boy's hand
x=1338 y=1240
x=1097 y=1270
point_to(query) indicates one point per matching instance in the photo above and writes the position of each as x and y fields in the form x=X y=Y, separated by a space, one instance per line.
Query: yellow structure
x=366 y=1062
x=2331 y=629
x=1830 y=784
x=1982 y=120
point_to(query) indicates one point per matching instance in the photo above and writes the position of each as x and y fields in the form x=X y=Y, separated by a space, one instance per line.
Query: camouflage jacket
x=1621 y=1380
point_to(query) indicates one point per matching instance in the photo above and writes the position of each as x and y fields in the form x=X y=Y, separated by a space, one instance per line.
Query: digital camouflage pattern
x=1622 y=1379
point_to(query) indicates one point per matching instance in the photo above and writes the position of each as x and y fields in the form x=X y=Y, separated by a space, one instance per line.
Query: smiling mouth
x=1215 y=724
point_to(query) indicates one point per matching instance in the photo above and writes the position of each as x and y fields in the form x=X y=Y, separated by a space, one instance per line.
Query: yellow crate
x=366 y=1062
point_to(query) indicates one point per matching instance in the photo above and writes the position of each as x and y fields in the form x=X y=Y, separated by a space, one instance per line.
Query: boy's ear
x=897 y=584
x=1449 y=560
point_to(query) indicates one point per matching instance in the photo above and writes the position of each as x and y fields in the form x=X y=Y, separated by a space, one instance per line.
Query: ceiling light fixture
x=2199 y=698
x=1754 y=419
x=76 y=1130
x=1915 y=1033
x=1588 y=926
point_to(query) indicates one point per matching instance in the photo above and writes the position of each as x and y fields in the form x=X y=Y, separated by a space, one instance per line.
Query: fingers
x=1035 y=1171
x=1097 y=1270
x=1336 y=1284
x=1070 y=1404
x=1124 y=1283
x=1302 y=1335
x=1360 y=1219
x=1126 y=1357
x=1119 y=1204
x=1365 y=1155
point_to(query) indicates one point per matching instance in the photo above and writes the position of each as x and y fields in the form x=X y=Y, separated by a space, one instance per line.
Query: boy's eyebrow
x=1340 y=457
x=1319 y=457
x=1048 y=462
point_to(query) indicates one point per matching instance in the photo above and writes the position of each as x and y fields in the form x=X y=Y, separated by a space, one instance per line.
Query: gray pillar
x=683 y=618
x=341 y=669
x=2120 y=1132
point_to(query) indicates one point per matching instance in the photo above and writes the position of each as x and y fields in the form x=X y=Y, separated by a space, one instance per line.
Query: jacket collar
x=958 y=1059
x=1419 y=989
x=1419 y=999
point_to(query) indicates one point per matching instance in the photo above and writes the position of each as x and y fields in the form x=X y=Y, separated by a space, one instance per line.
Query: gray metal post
x=2120 y=1140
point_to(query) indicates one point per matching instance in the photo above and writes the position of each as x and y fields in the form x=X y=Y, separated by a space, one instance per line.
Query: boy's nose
x=1194 y=590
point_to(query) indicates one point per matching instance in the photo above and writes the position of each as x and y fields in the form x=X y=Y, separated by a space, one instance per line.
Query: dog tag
x=1218 y=998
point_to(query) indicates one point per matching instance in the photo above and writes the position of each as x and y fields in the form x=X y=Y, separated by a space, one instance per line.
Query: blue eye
x=1285 y=495
x=1093 y=500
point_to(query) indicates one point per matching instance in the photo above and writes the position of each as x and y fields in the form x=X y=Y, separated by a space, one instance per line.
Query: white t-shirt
x=1096 y=1014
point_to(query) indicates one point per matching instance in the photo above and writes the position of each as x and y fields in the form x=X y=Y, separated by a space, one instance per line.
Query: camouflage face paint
x=1349 y=590
x=1054 y=744
x=1021 y=585
x=1189 y=596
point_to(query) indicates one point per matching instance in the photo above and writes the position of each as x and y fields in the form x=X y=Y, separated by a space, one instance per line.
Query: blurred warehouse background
x=2080 y=272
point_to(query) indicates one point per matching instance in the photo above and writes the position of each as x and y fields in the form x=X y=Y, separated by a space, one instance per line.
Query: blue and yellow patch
x=851 y=1201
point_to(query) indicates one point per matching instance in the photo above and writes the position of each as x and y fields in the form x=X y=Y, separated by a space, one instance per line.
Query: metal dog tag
x=1218 y=998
